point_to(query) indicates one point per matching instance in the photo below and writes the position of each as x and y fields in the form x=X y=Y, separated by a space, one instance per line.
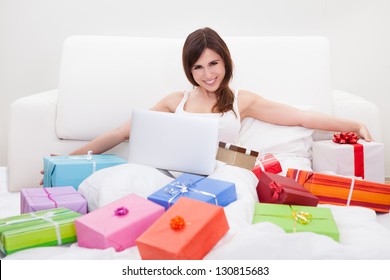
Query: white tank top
x=229 y=123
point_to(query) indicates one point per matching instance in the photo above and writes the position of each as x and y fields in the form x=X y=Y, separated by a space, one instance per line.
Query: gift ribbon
x=262 y=160
x=88 y=157
x=300 y=217
x=276 y=191
x=358 y=152
x=238 y=149
x=47 y=217
x=183 y=188
x=50 y=197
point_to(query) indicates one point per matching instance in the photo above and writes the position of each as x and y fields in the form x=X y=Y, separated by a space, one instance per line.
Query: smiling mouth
x=209 y=82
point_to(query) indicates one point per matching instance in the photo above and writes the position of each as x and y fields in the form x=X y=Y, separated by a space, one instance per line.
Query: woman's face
x=209 y=70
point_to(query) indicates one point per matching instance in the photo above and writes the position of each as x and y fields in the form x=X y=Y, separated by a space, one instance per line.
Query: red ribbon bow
x=352 y=138
x=177 y=223
x=345 y=138
x=276 y=190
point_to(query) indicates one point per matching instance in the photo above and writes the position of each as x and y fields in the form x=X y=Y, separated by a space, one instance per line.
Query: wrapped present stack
x=186 y=231
x=196 y=187
x=72 y=170
x=236 y=155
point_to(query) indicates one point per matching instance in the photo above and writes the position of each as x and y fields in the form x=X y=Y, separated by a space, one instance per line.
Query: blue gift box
x=197 y=187
x=72 y=170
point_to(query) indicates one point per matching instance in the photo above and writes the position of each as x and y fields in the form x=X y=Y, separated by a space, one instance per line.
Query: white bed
x=290 y=69
x=363 y=233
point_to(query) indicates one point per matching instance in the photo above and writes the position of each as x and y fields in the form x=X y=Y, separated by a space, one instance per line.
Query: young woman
x=208 y=66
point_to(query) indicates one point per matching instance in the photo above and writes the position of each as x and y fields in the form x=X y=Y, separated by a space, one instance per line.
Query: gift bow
x=89 y=157
x=276 y=190
x=352 y=138
x=345 y=138
x=183 y=188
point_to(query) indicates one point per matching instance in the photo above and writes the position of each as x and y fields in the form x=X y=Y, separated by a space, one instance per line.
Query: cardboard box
x=363 y=159
x=201 y=188
x=295 y=218
x=72 y=170
x=36 y=199
x=50 y=227
x=340 y=190
x=201 y=226
x=117 y=224
x=236 y=155
x=273 y=188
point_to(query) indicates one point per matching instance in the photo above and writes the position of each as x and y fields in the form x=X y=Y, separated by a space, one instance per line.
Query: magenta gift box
x=117 y=224
x=36 y=199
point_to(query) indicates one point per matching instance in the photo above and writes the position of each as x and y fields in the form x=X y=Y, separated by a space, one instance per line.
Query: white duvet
x=361 y=236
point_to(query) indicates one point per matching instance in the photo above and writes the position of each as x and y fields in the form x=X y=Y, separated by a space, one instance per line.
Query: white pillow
x=112 y=183
x=276 y=139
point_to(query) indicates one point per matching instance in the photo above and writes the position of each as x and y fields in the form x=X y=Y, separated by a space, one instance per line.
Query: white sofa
x=102 y=79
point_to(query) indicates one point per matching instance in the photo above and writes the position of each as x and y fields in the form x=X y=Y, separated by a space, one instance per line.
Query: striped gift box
x=236 y=155
x=50 y=227
x=340 y=190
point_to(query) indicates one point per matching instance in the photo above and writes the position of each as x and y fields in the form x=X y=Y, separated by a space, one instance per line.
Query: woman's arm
x=106 y=141
x=254 y=106
x=114 y=137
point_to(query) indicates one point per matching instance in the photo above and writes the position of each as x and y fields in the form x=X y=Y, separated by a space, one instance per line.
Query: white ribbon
x=88 y=157
x=183 y=188
x=46 y=217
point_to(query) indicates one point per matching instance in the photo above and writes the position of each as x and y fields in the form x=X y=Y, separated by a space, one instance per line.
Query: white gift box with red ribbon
x=363 y=159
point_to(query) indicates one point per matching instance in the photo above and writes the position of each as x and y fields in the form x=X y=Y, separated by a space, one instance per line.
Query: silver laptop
x=173 y=142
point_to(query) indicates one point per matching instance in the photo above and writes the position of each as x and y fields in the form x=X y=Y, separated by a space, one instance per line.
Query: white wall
x=359 y=33
x=32 y=32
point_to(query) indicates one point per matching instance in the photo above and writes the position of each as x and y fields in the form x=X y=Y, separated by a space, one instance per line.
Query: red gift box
x=267 y=163
x=273 y=188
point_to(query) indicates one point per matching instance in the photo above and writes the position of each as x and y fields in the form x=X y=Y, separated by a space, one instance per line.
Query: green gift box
x=296 y=218
x=50 y=227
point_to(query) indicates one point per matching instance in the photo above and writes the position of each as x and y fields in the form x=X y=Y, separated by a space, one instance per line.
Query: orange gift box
x=188 y=230
x=339 y=190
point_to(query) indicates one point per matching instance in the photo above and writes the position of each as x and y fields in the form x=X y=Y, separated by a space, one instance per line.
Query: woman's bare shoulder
x=169 y=102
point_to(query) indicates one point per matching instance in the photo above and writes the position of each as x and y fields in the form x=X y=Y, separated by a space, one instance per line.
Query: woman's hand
x=364 y=133
x=43 y=172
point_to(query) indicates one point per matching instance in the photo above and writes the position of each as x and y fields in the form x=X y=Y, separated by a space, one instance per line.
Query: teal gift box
x=72 y=170
x=197 y=187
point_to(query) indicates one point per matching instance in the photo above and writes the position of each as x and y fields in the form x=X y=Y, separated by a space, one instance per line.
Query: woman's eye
x=214 y=63
x=196 y=67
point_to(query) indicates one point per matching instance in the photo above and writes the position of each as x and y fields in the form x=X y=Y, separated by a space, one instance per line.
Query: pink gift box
x=117 y=224
x=36 y=199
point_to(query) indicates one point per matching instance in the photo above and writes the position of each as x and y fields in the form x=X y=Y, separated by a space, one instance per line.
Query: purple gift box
x=36 y=199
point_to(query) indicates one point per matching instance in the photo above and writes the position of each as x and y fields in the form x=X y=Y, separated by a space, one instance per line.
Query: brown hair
x=193 y=47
